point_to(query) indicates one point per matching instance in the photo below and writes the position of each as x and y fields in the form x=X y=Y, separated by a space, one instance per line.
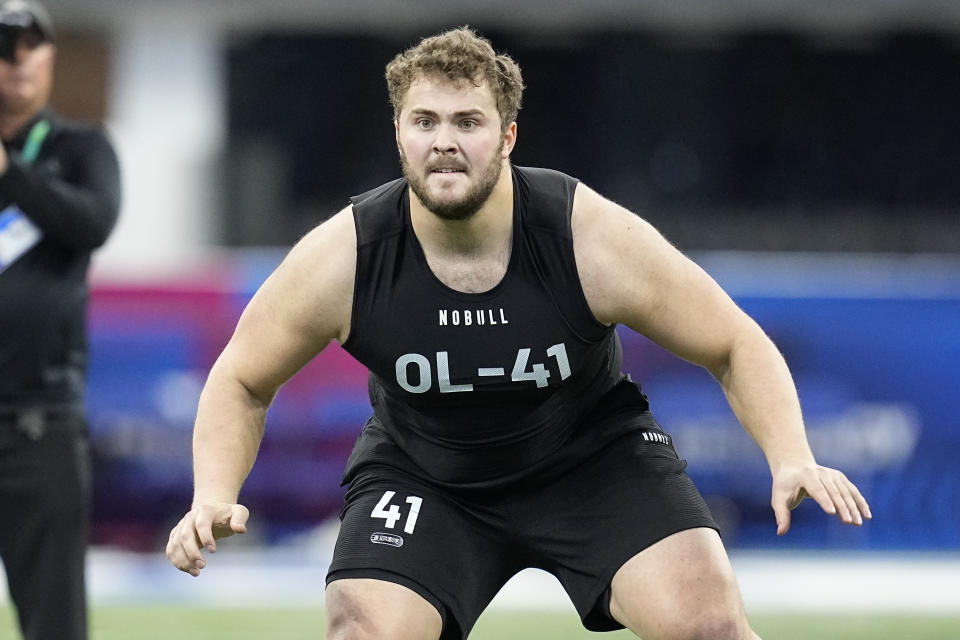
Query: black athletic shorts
x=457 y=552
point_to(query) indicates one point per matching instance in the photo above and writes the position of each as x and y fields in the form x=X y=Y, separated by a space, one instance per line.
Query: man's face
x=26 y=81
x=452 y=147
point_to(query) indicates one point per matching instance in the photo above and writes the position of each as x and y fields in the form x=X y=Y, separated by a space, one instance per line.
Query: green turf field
x=185 y=623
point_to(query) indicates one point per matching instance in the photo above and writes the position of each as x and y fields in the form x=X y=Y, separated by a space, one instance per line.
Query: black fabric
x=581 y=527
x=476 y=388
x=463 y=477
x=619 y=412
x=71 y=192
x=45 y=488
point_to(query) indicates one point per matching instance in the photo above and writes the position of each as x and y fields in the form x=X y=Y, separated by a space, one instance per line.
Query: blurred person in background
x=59 y=199
x=483 y=297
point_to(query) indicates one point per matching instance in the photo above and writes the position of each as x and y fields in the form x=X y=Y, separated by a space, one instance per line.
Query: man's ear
x=509 y=140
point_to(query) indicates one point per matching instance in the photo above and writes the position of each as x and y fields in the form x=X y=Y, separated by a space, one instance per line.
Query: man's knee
x=375 y=610
x=716 y=624
x=703 y=623
x=349 y=620
x=349 y=615
x=346 y=621
x=681 y=588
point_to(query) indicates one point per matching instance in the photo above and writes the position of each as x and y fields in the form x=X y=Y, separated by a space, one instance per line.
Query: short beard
x=466 y=206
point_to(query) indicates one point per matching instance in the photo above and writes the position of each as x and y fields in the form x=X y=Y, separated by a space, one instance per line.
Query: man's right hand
x=200 y=529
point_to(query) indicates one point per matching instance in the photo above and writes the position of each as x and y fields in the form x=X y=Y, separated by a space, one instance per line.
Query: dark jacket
x=69 y=189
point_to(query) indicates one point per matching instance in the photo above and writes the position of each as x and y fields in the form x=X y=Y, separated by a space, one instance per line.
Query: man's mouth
x=446 y=170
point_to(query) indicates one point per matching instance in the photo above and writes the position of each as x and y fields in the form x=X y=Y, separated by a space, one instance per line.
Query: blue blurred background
x=805 y=154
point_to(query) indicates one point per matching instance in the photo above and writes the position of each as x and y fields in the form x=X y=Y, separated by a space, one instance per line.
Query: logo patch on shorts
x=656 y=436
x=386 y=538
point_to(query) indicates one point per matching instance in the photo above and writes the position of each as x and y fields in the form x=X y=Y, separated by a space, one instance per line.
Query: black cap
x=25 y=14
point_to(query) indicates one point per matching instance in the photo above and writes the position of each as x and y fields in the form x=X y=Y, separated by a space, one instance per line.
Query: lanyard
x=17 y=234
x=35 y=140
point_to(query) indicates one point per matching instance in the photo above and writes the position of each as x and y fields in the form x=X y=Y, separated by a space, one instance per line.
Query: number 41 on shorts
x=391 y=512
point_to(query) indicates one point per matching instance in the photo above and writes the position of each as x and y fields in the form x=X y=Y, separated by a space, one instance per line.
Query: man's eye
x=423 y=123
x=468 y=124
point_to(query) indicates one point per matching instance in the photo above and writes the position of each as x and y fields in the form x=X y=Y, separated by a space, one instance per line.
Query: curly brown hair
x=459 y=55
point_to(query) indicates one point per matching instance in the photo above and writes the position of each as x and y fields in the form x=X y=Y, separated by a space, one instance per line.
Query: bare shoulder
x=620 y=257
x=304 y=304
x=314 y=283
x=632 y=276
x=332 y=244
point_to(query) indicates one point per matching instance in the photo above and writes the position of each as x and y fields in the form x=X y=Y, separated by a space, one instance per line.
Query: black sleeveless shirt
x=476 y=389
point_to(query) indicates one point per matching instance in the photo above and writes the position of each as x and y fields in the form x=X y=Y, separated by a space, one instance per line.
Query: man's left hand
x=830 y=488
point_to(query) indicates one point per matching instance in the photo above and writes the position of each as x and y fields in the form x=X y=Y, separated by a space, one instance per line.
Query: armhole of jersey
x=553 y=191
x=376 y=214
x=357 y=279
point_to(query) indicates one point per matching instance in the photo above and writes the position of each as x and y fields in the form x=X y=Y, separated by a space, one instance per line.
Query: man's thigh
x=397 y=529
x=598 y=516
x=682 y=586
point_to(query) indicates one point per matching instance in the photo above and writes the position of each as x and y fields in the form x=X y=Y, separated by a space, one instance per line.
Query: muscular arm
x=300 y=308
x=632 y=276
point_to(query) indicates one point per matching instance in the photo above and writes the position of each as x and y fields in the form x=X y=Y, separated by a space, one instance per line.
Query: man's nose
x=446 y=140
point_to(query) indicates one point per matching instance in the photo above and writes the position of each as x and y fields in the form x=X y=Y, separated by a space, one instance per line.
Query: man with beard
x=483 y=299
